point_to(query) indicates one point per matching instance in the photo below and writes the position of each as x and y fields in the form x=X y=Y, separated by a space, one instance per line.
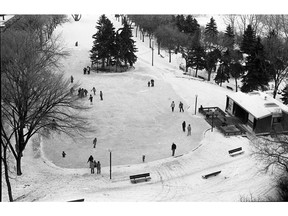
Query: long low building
x=259 y=111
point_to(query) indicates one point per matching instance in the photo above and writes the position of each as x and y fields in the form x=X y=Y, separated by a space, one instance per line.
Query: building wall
x=284 y=121
x=263 y=125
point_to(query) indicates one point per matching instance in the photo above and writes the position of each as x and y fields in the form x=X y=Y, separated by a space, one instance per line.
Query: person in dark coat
x=72 y=79
x=88 y=70
x=183 y=126
x=181 y=106
x=152 y=83
x=63 y=154
x=172 y=106
x=148 y=83
x=94 y=142
x=84 y=70
x=101 y=95
x=91 y=99
x=173 y=148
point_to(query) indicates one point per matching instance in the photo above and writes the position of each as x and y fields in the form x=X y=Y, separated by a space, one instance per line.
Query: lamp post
x=110 y=152
x=212 y=121
x=152 y=47
x=196 y=96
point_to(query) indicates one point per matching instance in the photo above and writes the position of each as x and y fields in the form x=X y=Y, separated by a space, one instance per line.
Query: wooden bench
x=211 y=174
x=78 y=200
x=235 y=151
x=228 y=87
x=145 y=176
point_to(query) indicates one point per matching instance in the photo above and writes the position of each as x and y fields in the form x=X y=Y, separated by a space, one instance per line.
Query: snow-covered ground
x=134 y=120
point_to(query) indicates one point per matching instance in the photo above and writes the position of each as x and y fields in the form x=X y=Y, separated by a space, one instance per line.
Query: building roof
x=258 y=104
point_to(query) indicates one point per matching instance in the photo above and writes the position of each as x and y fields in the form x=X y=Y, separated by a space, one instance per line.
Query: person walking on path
x=63 y=154
x=148 y=83
x=84 y=70
x=91 y=163
x=94 y=142
x=181 y=106
x=152 y=83
x=183 y=126
x=94 y=90
x=101 y=95
x=172 y=106
x=98 y=168
x=189 y=130
x=91 y=99
x=173 y=148
x=72 y=79
x=88 y=70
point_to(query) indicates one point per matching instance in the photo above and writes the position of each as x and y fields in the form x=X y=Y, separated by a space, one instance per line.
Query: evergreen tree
x=223 y=72
x=249 y=41
x=196 y=58
x=180 y=22
x=256 y=76
x=211 y=33
x=284 y=94
x=229 y=38
x=126 y=45
x=104 y=41
x=211 y=59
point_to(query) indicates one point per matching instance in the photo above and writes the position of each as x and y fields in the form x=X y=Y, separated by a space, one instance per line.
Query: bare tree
x=273 y=152
x=34 y=93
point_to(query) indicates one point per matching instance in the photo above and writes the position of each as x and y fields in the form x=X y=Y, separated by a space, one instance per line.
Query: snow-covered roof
x=258 y=104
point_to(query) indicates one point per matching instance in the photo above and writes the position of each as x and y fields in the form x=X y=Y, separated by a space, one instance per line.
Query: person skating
x=91 y=99
x=72 y=79
x=173 y=148
x=101 y=95
x=152 y=83
x=181 y=106
x=94 y=142
x=148 y=83
x=183 y=126
x=91 y=163
x=63 y=154
x=88 y=70
x=84 y=70
x=189 y=130
x=98 y=168
x=94 y=90
x=172 y=106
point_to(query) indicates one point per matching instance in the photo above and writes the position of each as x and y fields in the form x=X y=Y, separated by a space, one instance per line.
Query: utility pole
x=196 y=103
x=152 y=51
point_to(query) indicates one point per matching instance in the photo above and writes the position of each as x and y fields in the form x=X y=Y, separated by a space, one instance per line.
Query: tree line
x=253 y=48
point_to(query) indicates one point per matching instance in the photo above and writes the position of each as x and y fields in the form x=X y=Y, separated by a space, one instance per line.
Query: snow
x=134 y=120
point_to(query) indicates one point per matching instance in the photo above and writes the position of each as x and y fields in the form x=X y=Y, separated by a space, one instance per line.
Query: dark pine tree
x=104 y=42
x=180 y=22
x=256 y=76
x=284 y=94
x=211 y=33
x=229 y=38
x=223 y=72
x=249 y=41
x=196 y=58
x=126 y=45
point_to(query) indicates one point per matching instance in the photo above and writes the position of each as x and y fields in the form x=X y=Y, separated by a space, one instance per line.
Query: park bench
x=235 y=151
x=211 y=174
x=145 y=176
x=228 y=87
x=77 y=200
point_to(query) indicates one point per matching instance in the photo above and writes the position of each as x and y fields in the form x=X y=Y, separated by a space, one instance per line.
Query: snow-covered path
x=172 y=178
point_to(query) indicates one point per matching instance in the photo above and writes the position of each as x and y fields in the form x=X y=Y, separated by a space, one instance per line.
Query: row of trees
x=35 y=95
x=256 y=55
x=113 y=48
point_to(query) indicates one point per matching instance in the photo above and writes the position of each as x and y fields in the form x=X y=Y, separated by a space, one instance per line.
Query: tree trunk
x=236 y=84
x=158 y=48
x=143 y=36
x=9 y=189
x=209 y=75
x=169 y=56
x=275 y=89
x=196 y=71
x=18 y=165
x=136 y=30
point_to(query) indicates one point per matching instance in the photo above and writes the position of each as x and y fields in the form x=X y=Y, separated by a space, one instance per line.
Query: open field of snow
x=134 y=120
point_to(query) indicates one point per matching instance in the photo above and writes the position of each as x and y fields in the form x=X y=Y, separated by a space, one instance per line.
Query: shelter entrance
x=240 y=113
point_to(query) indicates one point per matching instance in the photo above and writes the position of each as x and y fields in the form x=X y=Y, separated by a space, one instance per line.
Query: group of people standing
x=93 y=164
x=188 y=128
x=86 y=70
x=180 y=106
x=151 y=82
